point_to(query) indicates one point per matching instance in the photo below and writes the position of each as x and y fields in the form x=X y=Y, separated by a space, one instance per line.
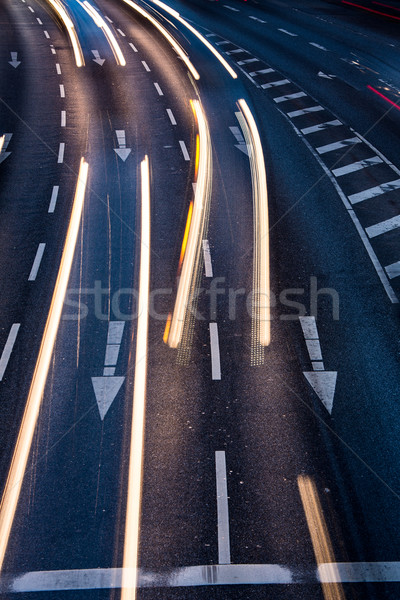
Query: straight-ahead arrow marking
x=106 y=389
x=97 y=59
x=240 y=139
x=14 y=62
x=4 y=141
x=122 y=151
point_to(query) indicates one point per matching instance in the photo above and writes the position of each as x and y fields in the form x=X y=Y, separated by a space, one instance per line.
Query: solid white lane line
x=146 y=66
x=184 y=150
x=393 y=270
x=262 y=72
x=171 y=116
x=121 y=33
x=304 y=111
x=39 y=21
x=207 y=259
x=62 y=90
x=159 y=90
x=133 y=47
x=61 y=151
x=46 y=33
x=63 y=118
x=338 y=145
x=36 y=262
x=115 y=332
x=53 y=199
x=248 y=61
x=288 y=32
x=8 y=348
x=224 y=551
x=58 y=69
x=289 y=97
x=357 y=166
x=383 y=227
x=215 y=357
x=231 y=8
x=309 y=328
x=314 y=349
x=271 y=84
x=321 y=127
x=318 y=46
x=375 y=191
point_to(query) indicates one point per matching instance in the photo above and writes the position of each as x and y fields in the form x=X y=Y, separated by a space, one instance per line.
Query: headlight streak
x=23 y=445
x=199 y=216
x=132 y=521
x=210 y=47
x=2 y=140
x=261 y=325
x=167 y=36
x=62 y=13
x=100 y=22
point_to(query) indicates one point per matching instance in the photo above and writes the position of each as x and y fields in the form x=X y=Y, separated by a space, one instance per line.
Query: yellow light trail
x=200 y=208
x=210 y=47
x=100 y=22
x=135 y=475
x=62 y=13
x=167 y=36
x=185 y=236
x=318 y=529
x=261 y=285
x=23 y=445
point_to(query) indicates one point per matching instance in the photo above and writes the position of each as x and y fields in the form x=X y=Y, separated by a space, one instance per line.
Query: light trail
x=198 y=217
x=2 y=140
x=394 y=104
x=62 y=13
x=261 y=269
x=210 y=47
x=100 y=22
x=167 y=36
x=135 y=475
x=23 y=445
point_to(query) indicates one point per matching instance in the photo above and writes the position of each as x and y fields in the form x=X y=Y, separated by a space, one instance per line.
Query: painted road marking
x=58 y=68
x=4 y=142
x=236 y=51
x=115 y=332
x=121 y=33
x=224 y=550
x=111 y=358
x=62 y=90
x=257 y=19
x=338 y=145
x=122 y=151
x=393 y=270
x=53 y=50
x=171 y=116
x=309 y=328
x=247 y=61
x=8 y=348
x=207 y=259
x=375 y=191
x=46 y=33
x=97 y=58
x=321 y=127
x=53 y=199
x=231 y=8
x=184 y=150
x=159 y=90
x=304 y=111
x=31 y=9
x=215 y=357
x=383 y=227
x=356 y=166
x=288 y=32
x=14 y=62
x=271 y=84
x=63 y=118
x=39 y=21
x=61 y=151
x=36 y=262
x=108 y=19
x=261 y=72
x=289 y=97
x=318 y=46
x=146 y=66
x=314 y=349
x=133 y=47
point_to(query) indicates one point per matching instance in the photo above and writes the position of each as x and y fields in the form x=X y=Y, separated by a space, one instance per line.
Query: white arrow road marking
x=97 y=59
x=241 y=145
x=324 y=385
x=14 y=62
x=325 y=76
x=106 y=389
x=4 y=141
x=123 y=152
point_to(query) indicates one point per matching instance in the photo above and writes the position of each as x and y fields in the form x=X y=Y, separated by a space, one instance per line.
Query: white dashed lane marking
x=321 y=127
x=184 y=150
x=304 y=111
x=375 y=191
x=159 y=90
x=8 y=348
x=36 y=262
x=338 y=145
x=271 y=84
x=356 y=166
x=288 y=32
x=289 y=97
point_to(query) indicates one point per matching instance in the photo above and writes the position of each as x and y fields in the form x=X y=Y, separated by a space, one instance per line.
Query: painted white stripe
x=262 y=72
x=375 y=191
x=108 y=19
x=53 y=199
x=108 y=371
x=257 y=19
x=318 y=46
x=115 y=332
x=31 y=9
x=171 y=116
x=39 y=21
x=314 y=349
x=36 y=262
x=359 y=572
x=184 y=150
x=224 y=551
x=58 y=69
x=215 y=358
x=146 y=66
x=61 y=151
x=288 y=32
x=53 y=51
x=121 y=33
x=63 y=118
x=321 y=127
x=207 y=259
x=393 y=270
x=289 y=97
x=309 y=328
x=271 y=84
x=46 y=33
x=304 y=111
x=5 y=356
x=247 y=61
x=62 y=90
x=236 y=51
x=220 y=43
x=318 y=365
x=112 y=351
x=338 y=145
x=376 y=151
x=231 y=8
x=159 y=90
x=133 y=47
x=383 y=227
x=356 y=166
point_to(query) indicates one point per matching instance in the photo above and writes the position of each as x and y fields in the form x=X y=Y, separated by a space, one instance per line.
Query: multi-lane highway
x=200 y=275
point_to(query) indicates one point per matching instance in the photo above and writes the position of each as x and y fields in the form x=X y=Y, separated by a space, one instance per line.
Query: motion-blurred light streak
x=62 y=13
x=23 y=445
x=110 y=37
